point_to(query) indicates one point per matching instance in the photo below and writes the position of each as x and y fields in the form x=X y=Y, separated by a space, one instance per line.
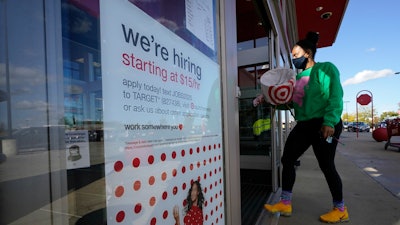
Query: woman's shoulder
x=327 y=66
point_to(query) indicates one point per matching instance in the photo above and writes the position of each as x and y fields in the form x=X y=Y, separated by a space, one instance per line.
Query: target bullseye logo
x=281 y=94
x=277 y=85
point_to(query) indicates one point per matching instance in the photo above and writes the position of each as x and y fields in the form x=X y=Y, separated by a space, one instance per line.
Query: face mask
x=300 y=63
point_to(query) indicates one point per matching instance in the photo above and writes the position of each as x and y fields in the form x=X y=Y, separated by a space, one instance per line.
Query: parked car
x=358 y=126
x=381 y=124
x=345 y=125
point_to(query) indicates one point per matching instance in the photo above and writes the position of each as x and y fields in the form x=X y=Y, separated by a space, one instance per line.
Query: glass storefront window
x=255 y=134
x=261 y=42
x=4 y=92
x=245 y=45
x=29 y=136
x=51 y=131
x=163 y=103
x=83 y=111
x=52 y=128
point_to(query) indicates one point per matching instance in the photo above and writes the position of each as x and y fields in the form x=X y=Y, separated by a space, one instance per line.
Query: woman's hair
x=309 y=43
x=200 y=198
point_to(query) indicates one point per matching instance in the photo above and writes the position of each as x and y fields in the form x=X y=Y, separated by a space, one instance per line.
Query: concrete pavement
x=371 y=185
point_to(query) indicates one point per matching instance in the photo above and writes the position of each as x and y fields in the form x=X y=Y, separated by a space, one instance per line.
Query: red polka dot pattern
x=120 y=216
x=119 y=191
x=138 y=208
x=118 y=166
x=156 y=179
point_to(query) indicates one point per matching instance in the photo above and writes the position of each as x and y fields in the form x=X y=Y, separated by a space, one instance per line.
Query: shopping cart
x=393 y=129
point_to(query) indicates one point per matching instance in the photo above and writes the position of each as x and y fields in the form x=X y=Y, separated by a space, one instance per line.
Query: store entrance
x=253 y=52
x=254 y=130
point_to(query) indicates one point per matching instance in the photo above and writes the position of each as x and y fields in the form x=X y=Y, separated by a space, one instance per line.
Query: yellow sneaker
x=284 y=209
x=335 y=216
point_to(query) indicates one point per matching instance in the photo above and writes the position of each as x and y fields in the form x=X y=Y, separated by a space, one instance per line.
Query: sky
x=367 y=54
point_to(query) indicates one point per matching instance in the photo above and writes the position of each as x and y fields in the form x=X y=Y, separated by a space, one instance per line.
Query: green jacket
x=318 y=93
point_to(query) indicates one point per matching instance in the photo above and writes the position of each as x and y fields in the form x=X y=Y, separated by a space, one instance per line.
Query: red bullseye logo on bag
x=277 y=86
x=281 y=94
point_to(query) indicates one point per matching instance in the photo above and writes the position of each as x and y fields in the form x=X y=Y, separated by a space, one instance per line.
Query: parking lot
x=370 y=156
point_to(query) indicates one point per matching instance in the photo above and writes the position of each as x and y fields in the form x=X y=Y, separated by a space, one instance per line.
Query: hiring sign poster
x=199 y=21
x=162 y=121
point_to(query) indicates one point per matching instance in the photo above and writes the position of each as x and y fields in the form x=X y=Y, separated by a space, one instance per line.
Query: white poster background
x=162 y=131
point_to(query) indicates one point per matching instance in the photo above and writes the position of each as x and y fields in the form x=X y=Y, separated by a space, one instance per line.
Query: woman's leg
x=325 y=154
x=299 y=140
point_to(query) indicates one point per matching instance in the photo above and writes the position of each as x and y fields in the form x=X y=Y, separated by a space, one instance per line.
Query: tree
x=365 y=115
x=349 y=117
x=386 y=115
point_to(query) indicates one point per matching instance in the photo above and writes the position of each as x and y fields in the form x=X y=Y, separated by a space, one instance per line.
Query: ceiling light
x=326 y=15
x=319 y=8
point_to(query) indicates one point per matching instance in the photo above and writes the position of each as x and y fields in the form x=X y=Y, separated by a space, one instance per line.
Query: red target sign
x=364 y=99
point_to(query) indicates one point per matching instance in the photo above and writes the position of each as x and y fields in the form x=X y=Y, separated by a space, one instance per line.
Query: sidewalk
x=371 y=185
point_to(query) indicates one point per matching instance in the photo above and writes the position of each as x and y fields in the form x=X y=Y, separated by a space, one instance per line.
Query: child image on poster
x=194 y=207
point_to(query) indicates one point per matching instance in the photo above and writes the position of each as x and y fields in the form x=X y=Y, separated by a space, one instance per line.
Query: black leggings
x=304 y=135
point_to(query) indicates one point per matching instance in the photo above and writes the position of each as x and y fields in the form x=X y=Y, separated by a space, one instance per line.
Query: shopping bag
x=277 y=86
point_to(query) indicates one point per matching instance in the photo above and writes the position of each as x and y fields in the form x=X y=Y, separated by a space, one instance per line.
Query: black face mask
x=300 y=63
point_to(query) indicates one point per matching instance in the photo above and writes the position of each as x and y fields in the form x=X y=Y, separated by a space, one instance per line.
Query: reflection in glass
x=83 y=115
x=54 y=170
x=25 y=172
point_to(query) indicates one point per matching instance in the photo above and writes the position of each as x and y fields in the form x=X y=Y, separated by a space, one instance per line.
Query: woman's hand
x=258 y=100
x=327 y=131
x=176 y=215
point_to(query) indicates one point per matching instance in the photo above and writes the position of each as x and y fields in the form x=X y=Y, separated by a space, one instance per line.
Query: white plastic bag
x=277 y=85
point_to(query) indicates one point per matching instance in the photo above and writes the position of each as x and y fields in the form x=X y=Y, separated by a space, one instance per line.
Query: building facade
x=128 y=111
